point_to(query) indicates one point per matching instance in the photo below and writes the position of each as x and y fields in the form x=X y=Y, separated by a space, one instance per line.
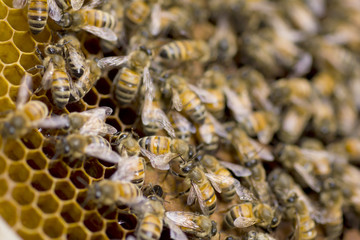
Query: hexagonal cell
x=85 y=202
x=112 y=73
x=103 y=86
x=76 y=107
x=9 y=212
x=109 y=103
x=33 y=139
x=2 y=164
x=6 y=31
x=91 y=98
x=53 y=227
x=94 y=168
x=127 y=221
x=71 y=212
x=18 y=172
x=93 y=221
x=3 y=187
x=18 y=20
x=3 y=11
x=36 y=160
x=22 y=194
x=43 y=37
x=6 y=104
x=127 y=116
x=30 y=217
x=99 y=236
x=113 y=230
x=8 y=53
x=13 y=73
x=76 y=233
x=25 y=235
x=109 y=171
x=114 y=122
x=48 y=149
x=13 y=93
x=64 y=190
x=28 y=60
x=41 y=181
x=48 y=203
x=24 y=42
x=14 y=150
x=92 y=45
x=79 y=179
x=4 y=86
x=58 y=169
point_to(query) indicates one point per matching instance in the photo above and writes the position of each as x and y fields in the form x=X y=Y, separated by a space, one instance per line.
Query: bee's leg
x=181 y=193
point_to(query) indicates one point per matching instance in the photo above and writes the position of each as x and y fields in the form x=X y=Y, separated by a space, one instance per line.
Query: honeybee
x=229 y=186
x=253 y=235
x=297 y=208
x=136 y=13
x=324 y=82
x=194 y=224
x=207 y=135
x=186 y=50
x=324 y=119
x=26 y=115
x=182 y=127
x=250 y=213
x=94 y=21
x=127 y=80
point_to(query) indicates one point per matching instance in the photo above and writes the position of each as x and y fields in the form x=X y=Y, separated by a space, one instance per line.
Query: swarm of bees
x=249 y=107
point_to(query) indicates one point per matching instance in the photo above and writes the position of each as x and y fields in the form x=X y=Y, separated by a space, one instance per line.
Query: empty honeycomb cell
x=32 y=140
x=76 y=233
x=92 y=45
x=112 y=73
x=6 y=104
x=93 y=221
x=103 y=86
x=13 y=73
x=24 y=42
x=98 y=237
x=41 y=181
x=94 y=168
x=3 y=86
x=58 y=169
x=3 y=187
x=76 y=106
x=36 y=160
x=109 y=172
x=6 y=31
x=30 y=217
x=13 y=93
x=127 y=221
x=9 y=212
x=29 y=235
x=79 y=179
x=71 y=212
x=18 y=172
x=107 y=212
x=48 y=203
x=84 y=202
x=14 y=150
x=109 y=103
x=43 y=37
x=8 y=53
x=53 y=227
x=114 y=122
x=3 y=10
x=127 y=116
x=113 y=230
x=29 y=60
x=22 y=194
x=64 y=190
x=48 y=149
x=18 y=20
x=2 y=164
x=91 y=98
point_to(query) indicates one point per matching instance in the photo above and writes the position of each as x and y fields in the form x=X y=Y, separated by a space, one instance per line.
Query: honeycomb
x=42 y=198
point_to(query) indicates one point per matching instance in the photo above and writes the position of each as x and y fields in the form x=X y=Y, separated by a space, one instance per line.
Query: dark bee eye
x=274 y=220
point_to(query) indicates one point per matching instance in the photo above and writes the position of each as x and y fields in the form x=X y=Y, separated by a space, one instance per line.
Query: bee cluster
x=149 y=119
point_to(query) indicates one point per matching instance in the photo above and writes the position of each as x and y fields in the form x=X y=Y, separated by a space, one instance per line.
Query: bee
x=113 y=193
x=250 y=213
x=182 y=127
x=26 y=115
x=133 y=166
x=230 y=187
x=186 y=50
x=324 y=119
x=94 y=21
x=297 y=208
x=127 y=80
x=253 y=235
x=324 y=83
x=206 y=134
x=194 y=224
x=136 y=13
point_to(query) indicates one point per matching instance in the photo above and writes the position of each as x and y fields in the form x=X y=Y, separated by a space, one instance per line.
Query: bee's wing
x=303 y=65
x=155 y=19
x=111 y=62
x=19 y=3
x=216 y=180
x=235 y=104
x=200 y=199
x=310 y=180
x=146 y=111
x=148 y=83
x=237 y=169
x=158 y=161
x=263 y=152
x=176 y=101
x=47 y=77
x=97 y=127
x=103 y=153
x=175 y=231
x=183 y=124
x=99 y=112
x=54 y=11
x=243 y=193
x=77 y=4
x=219 y=128
x=103 y=33
x=125 y=169
x=205 y=96
x=191 y=197
x=244 y=222
x=183 y=219
x=52 y=122
x=164 y=122
x=94 y=4
x=265 y=135
x=23 y=93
